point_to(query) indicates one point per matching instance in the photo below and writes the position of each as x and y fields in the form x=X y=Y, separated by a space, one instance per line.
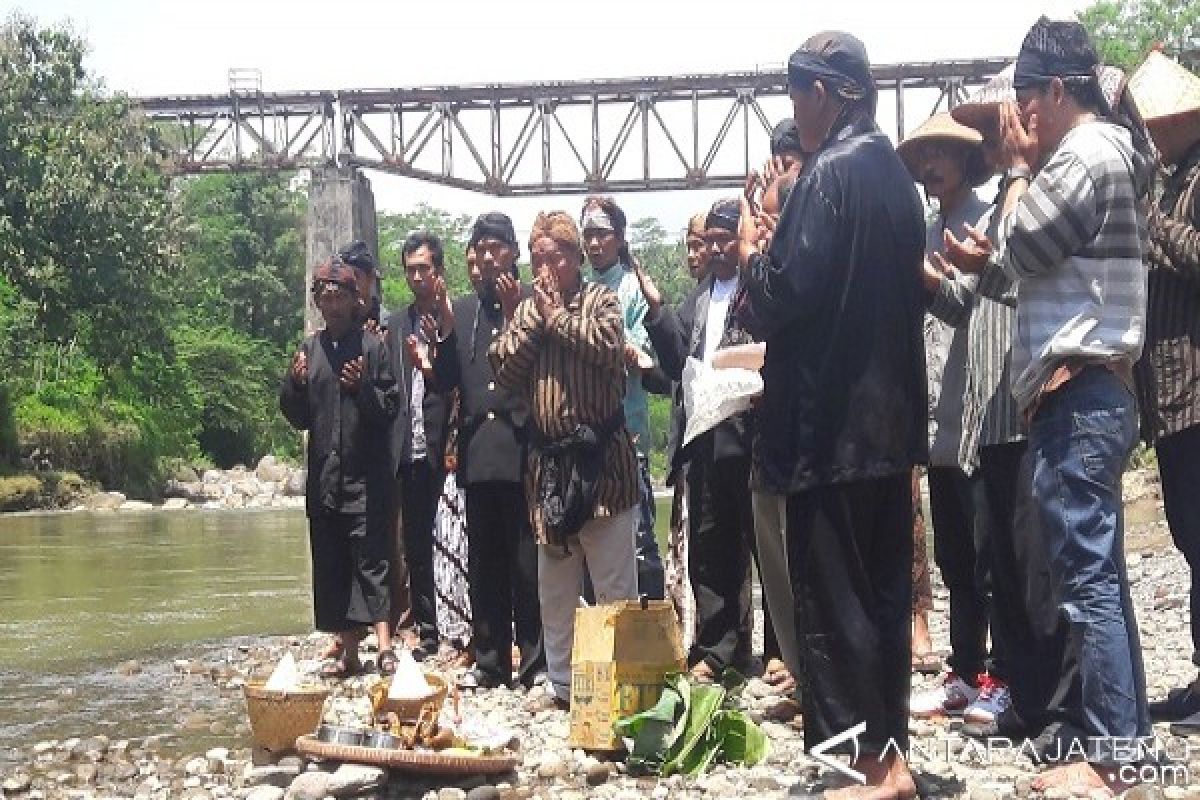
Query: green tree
x=1124 y=31
x=85 y=226
x=231 y=381
x=243 y=254
x=664 y=259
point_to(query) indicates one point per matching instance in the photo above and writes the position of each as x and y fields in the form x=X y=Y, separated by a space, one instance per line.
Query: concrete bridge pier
x=341 y=208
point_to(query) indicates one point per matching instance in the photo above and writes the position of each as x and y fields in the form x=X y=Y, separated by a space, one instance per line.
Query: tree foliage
x=1124 y=31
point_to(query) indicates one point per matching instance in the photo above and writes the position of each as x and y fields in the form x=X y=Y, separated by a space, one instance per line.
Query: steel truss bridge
x=638 y=134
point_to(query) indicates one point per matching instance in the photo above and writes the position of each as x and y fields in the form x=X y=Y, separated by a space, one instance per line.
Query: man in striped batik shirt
x=564 y=351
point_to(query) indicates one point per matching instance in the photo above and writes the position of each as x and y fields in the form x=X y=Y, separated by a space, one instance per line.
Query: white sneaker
x=952 y=697
x=993 y=699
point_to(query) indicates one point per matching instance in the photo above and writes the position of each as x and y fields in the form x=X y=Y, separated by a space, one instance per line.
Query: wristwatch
x=1015 y=173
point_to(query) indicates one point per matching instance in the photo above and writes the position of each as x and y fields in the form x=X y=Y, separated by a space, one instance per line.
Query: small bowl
x=333 y=734
x=380 y=739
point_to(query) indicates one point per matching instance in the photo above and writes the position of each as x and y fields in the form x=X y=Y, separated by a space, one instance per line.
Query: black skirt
x=349 y=571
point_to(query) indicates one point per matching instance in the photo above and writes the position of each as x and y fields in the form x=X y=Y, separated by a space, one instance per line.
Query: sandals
x=341 y=668
x=386 y=662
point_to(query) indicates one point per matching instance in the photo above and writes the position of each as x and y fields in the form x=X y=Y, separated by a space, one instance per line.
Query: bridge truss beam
x=641 y=134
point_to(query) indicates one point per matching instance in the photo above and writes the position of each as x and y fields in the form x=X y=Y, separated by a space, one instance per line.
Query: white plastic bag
x=712 y=395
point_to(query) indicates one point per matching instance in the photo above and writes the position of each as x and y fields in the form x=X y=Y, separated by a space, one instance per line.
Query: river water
x=81 y=594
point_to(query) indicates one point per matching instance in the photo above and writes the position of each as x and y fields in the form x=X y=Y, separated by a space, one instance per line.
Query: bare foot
x=333 y=650
x=921 y=642
x=902 y=779
x=1073 y=777
x=879 y=785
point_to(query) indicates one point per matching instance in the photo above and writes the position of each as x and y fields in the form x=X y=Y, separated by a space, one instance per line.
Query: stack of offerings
x=621 y=654
x=283 y=707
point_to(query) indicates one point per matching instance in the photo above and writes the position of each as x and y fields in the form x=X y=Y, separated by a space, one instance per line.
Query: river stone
x=351 y=779
x=135 y=505
x=309 y=786
x=487 y=792
x=296 y=484
x=451 y=793
x=175 y=504
x=265 y=793
x=269 y=470
x=596 y=773
x=552 y=767
x=104 y=501
x=279 y=776
x=17 y=783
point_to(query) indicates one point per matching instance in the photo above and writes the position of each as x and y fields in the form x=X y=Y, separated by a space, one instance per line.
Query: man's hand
x=1018 y=145
x=351 y=377
x=546 y=297
x=653 y=296
x=509 y=292
x=969 y=254
x=441 y=299
x=749 y=236
x=299 y=368
x=418 y=353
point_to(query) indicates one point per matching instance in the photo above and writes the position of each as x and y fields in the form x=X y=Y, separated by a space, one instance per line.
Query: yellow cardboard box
x=619 y=658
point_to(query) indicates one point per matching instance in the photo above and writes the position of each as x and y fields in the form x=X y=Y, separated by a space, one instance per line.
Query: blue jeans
x=1080 y=441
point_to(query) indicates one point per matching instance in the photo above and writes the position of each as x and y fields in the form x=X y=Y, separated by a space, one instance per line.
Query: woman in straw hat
x=1168 y=375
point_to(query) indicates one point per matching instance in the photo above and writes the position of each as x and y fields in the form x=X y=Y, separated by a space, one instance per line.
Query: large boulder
x=270 y=470
x=104 y=501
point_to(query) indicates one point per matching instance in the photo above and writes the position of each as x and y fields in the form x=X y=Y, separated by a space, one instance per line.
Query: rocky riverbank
x=199 y=748
x=271 y=484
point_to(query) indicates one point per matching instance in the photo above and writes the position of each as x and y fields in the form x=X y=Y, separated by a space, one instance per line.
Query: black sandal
x=341 y=668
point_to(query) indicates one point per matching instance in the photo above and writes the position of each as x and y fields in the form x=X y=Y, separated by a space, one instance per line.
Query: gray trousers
x=770 y=532
x=607 y=545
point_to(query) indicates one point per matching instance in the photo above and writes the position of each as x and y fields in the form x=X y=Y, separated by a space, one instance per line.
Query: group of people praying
x=1010 y=351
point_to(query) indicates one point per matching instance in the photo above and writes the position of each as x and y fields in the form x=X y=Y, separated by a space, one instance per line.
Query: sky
x=157 y=47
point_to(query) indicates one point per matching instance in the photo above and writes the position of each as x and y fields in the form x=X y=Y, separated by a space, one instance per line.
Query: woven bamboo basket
x=278 y=718
x=410 y=707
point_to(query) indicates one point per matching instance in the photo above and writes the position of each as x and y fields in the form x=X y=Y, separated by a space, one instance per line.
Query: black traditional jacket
x=435 y=405
x=838 y=299
x=493 y=419
x=349 y=459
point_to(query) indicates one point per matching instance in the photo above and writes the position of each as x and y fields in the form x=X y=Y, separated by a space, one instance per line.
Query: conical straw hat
x=981 y=111
x=1162 y=88
x=943 y=127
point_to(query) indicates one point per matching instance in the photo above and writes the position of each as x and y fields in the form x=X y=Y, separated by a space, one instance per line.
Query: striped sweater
x=1169 y=372
x=1074 y=246
x=571 y=369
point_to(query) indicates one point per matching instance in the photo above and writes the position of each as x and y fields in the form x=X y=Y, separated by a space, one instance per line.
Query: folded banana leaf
x=690 y=729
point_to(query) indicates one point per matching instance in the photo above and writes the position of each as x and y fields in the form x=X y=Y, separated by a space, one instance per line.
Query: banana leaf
x=689 y=729
x=741 y=740
x=653 y=731
x=689 y=753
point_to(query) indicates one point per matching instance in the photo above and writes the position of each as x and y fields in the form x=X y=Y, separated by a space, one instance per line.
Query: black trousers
x=420 y=488
x=850 y=558
x=960 y=550
x=721 y=545
x=502 y=570
x=349 y=571
x=1042 y=673
x=1179 y=468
